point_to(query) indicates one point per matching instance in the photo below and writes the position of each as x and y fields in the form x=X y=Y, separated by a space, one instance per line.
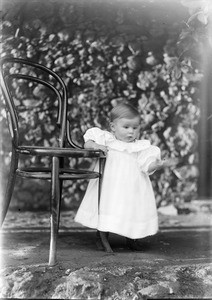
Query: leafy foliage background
x=107 y=51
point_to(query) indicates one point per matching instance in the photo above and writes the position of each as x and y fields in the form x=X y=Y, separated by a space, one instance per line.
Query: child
x=127 y=202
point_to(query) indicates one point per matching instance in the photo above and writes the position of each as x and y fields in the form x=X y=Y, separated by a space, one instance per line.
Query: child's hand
x=170 y=162
x=160 y=164
x=103 y=148
x=92 y=145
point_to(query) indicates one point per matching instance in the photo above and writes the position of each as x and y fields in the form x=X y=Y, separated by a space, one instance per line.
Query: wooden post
x=205 y=128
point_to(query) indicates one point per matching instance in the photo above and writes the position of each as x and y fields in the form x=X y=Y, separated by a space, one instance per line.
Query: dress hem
x=130 y=230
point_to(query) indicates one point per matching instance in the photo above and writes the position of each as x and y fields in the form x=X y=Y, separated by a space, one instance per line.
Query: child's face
x=126 y=130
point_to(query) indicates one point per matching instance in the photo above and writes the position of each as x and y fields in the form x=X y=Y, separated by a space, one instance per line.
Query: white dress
x=127 y=203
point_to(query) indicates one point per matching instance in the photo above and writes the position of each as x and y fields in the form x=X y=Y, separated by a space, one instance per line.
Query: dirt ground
x=175 y=264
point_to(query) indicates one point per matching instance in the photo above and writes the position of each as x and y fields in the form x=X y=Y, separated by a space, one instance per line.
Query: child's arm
x=93 y=145
x=160 y=164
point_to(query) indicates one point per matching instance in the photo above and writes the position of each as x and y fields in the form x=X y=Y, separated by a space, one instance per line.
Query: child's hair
x=123 y=110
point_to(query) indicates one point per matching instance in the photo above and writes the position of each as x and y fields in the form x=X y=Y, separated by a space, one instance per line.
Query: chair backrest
x=20 y=74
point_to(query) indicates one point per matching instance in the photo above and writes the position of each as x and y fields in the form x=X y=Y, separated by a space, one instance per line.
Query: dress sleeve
x=95 y=134
x=147 y=157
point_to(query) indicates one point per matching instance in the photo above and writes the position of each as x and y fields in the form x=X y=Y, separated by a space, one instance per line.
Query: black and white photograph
x=106 y=149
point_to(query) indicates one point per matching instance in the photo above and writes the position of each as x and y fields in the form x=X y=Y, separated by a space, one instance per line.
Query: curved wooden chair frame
x=56 y=173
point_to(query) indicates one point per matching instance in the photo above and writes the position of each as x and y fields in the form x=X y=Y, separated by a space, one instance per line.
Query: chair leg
x=10 y=186
x=60 y=199
x=103 y=235
x=101 y=171
x=61 y=165
x=55 y=198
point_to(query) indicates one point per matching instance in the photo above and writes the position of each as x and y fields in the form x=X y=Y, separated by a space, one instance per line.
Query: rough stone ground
x=175 y=265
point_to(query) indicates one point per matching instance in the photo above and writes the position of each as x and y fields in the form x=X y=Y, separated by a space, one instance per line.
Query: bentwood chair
x=19 y=80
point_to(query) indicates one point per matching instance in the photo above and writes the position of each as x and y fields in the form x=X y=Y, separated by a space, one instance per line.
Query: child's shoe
x=134 y=245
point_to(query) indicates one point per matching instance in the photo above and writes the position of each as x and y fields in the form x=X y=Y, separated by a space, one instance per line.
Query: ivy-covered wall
x=106 y=51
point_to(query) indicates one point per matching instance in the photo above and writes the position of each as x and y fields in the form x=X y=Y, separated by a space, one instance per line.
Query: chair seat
x=59 y=152
x=45 y=173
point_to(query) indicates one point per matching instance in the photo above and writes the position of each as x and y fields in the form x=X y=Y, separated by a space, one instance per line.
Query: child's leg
x=99 y=241
x=105 y=242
